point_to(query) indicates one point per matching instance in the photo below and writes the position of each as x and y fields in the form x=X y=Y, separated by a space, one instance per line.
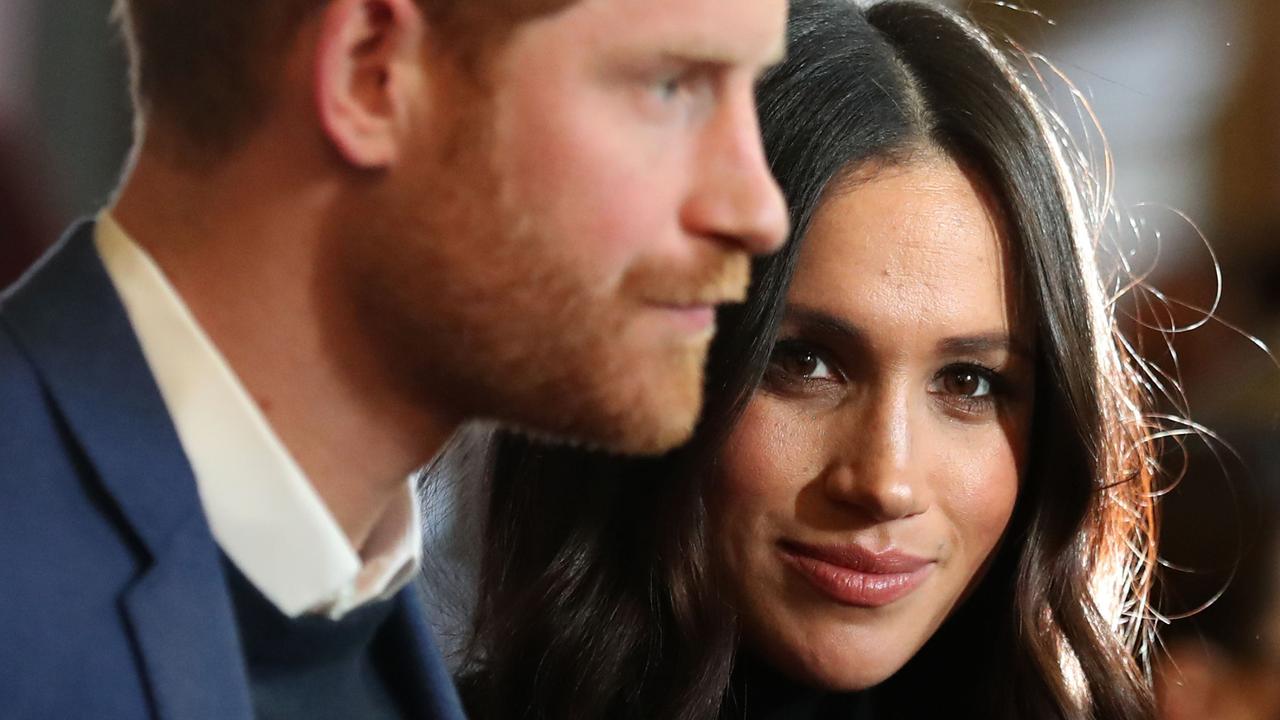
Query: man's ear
x=368 y=77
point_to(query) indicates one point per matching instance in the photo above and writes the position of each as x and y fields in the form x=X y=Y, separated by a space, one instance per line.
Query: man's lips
x=710 y=298
x=692 y=318
x=695 y=316
x=695 y=311
x=857 y=576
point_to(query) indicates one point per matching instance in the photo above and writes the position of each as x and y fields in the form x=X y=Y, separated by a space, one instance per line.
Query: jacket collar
x=67 y=317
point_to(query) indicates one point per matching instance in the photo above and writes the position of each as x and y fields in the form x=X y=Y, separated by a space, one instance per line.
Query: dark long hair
x=597 y=595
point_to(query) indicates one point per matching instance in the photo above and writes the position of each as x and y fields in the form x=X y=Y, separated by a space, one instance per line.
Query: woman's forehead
x=912 y=245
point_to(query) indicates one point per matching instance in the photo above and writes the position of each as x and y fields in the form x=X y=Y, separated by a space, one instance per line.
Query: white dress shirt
x=264 y=513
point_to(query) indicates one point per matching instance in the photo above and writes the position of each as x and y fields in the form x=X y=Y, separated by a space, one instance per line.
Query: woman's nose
x=878 y=470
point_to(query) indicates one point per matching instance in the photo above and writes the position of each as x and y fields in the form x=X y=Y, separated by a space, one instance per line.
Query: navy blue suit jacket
x=112 y=597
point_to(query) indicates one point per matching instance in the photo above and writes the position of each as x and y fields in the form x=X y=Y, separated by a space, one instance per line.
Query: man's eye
x=667 y=88
x=674 y=86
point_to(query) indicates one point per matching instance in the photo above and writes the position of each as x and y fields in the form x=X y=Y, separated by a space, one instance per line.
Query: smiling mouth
x=855 y=576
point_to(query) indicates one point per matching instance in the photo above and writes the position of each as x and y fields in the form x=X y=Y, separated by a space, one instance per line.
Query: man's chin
x=651 y=425
x=633 y=438
x=658 y=418
x=658 y=437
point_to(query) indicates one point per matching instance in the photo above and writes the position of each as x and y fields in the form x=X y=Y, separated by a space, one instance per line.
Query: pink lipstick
x=855 y=576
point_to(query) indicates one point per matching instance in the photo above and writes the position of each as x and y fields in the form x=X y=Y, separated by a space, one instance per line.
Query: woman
x=920 y=487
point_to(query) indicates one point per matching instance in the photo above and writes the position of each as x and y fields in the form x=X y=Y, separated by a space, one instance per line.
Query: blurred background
x=1187 y=93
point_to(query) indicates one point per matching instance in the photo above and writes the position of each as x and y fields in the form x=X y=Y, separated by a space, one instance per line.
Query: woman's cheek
x=983 y=503
x=771 y=453
x=762 y=470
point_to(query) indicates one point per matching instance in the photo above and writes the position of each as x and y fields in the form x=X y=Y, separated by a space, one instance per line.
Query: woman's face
x=872 y=475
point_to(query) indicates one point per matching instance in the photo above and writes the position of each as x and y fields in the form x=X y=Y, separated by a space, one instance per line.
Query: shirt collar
x=262 y=510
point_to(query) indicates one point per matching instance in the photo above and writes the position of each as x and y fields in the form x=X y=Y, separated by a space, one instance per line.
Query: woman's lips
x=855 y=576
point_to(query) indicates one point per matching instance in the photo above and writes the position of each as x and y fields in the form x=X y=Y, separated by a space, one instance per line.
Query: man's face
x=551 y=253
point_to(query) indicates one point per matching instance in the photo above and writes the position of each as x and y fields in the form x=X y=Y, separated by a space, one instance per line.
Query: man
x=348 y=226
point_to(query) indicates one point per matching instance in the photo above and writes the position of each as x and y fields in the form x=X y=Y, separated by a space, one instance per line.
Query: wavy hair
x=597 y=596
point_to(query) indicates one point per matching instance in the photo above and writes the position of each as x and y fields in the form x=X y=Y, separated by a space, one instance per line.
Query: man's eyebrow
x=994 y=341
x=712 y=51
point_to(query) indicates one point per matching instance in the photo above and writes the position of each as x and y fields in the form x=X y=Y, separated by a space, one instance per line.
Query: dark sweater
x=311 y=667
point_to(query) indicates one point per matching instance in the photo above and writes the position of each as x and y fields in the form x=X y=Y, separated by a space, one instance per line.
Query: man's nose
x=736 y=198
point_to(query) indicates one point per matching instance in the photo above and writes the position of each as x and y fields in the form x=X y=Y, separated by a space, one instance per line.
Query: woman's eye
x=965 y=382
x=969 y=390
x=800 y=362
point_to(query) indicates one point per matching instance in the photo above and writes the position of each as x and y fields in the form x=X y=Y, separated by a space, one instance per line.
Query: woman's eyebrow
x=830 y=324
x=994 y=341
x=824 y=322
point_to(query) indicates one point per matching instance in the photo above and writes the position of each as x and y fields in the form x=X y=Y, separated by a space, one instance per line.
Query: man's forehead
x=717 y=31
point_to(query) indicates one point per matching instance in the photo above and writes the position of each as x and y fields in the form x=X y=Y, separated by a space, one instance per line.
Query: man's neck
x=246 y=258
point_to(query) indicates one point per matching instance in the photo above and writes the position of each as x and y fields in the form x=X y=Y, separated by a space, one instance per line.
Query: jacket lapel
x=71 y=324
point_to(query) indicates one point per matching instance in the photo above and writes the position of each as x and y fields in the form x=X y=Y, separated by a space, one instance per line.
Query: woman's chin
x=847 y=672
x=832 y=654
x=852 y=681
